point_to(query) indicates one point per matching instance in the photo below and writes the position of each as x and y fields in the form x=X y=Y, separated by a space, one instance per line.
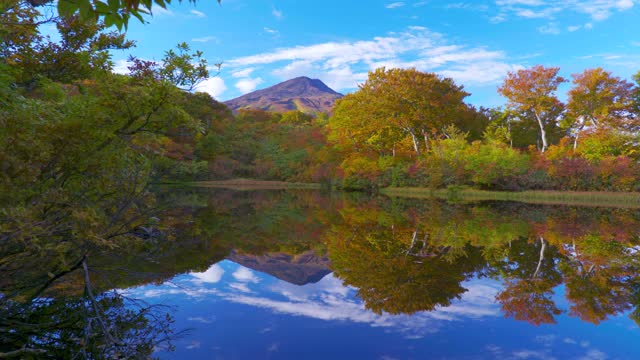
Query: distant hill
x=303 y=94
x=304 y=268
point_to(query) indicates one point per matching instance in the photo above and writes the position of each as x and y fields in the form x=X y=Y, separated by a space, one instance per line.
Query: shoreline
x=549 y=197
x=250 y=184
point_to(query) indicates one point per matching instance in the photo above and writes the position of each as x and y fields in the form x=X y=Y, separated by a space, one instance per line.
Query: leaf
x=102 y=7
x=86 y=10
x=67 y=8
x=114 y=5
x=138 y=16
x=109 y=20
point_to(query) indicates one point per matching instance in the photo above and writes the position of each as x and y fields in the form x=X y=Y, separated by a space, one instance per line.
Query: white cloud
x=342 y=65
x=467 y=6
x=245 y=275
x=121 y=67
x=628 y=61
x=594 y=354
x=214 y=273
x=194 y=345
x=240 y=287
x=205 y=39
x=247 y=85
x=395 y=5
x=243 y=73
x=277 y=13
x=271 y=31
x=330 y=300
x=498 y=18
x=199 y=14
x=597 y=10
x=200 y=319
x=549 y=29
x=159 y=11
x=295 y=69
x=574 y=28
x=532 y=354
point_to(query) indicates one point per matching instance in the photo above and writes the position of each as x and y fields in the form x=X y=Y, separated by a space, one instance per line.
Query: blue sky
x=476 y=42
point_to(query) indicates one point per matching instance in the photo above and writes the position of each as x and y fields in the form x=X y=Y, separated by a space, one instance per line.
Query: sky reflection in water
x=235 y=312
x=302 y=274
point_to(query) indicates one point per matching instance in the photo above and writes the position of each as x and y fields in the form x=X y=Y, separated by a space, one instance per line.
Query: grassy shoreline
x=588 y=198
x=583 y=198
x=250 y=184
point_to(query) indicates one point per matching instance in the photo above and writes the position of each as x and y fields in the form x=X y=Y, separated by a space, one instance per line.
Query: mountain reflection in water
x=304 y=274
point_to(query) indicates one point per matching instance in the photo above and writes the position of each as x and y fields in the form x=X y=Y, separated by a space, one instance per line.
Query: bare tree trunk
x=542 y=248
x=96 y=307
x=416 y=147
x=543 y=133
x=575 y=141
x=413 y=242
x=425 y=135
x=413 y=239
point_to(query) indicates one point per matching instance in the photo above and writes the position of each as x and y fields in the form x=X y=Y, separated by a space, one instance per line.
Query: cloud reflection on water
x=327 y=300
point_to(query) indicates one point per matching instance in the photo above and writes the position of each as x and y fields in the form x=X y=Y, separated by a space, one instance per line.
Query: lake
x=304 y=274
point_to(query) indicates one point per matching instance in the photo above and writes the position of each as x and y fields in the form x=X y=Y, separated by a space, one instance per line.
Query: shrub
x=489 y=165
x=360 y=173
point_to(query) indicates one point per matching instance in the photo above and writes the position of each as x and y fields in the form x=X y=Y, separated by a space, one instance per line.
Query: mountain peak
x=301 y=93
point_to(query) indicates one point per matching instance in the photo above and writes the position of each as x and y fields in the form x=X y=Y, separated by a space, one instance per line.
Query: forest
x=406 y=128
x=400 y=128
x=83 y=149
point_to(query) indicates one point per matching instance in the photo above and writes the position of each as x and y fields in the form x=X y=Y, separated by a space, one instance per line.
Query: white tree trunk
x=416 y=146
x=542 y=248
x=543 y=133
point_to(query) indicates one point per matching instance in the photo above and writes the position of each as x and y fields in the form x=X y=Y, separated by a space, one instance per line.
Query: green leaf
x=102 y=7
x=67 y=8
x=114 y=5
x=86 y=9
x=109 y=20
x=138 y=16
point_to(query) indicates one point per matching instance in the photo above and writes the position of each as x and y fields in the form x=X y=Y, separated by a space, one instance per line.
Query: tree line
x=404 y=127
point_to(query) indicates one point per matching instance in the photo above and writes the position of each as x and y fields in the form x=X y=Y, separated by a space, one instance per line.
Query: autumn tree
x=531 y=92
x=409 y=102
x=598 y=100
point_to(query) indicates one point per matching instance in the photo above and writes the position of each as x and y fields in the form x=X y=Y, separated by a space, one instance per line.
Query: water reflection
x=415 y=256
x=404 y=269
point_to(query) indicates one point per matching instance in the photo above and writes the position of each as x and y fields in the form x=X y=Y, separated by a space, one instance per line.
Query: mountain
x=301 y=93
x=300 y=269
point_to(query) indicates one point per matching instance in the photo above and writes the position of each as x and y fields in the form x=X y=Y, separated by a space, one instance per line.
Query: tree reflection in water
x=403 y=256
x=406 y=256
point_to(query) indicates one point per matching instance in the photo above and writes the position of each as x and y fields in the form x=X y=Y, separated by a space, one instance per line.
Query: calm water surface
x=302 y=274
x=310 y=275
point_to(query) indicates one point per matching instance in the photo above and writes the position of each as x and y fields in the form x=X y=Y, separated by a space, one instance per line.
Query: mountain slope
x=301 y=93
x=301 y=269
